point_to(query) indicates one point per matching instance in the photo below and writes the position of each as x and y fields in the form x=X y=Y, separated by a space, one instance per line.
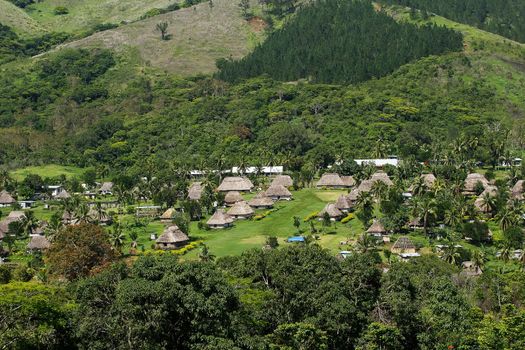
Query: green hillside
x=19 y=20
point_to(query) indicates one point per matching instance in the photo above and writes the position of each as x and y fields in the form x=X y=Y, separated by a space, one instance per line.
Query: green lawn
x=51 y=170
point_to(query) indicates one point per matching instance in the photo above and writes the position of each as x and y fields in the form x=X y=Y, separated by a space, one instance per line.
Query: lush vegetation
x=504 y=17
x=320 y=44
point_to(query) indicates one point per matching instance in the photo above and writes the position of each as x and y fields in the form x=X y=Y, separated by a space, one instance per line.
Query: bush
x=61 y=10
x=5 y=274
x=262 y=215
x=23 y=274
x=349 y=217
x=311 y=216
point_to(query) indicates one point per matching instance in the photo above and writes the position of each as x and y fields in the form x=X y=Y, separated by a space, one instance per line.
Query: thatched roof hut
x=220 y=219
x=277 y=192
x=381 y=176
x=38 y=242
x=429 y=180
x=241 y=210
x=195 y=191
x=365 y=186
x=415 y=223
x=235 y=183
x=172 y=238
x=480 y=204
x=403 y=245
x=232 y=197
x=63 y=195
x=348 y=181
x=106 y=188
x=472 y=181
x=333 y=212
x=470 y=269
x=16 y=215
x=331 y=180
x=261 y=201
x=343 y=203
x=353 y=195
x=6 y=199
x=517 y=190
x=167 y=216
x=101 y=217
x=376 y=229
x=283 y=180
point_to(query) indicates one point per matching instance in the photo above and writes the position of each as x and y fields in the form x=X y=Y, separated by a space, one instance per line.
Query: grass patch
x=50 y=170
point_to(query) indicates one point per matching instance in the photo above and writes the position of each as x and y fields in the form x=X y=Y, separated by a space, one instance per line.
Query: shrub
x=5 y=274
x=311 y=216
x=61 y=10
x=349 y=217
x=262 y=215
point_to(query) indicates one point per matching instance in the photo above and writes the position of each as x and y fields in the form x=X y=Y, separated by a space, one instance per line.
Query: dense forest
x=503 y=17
x=321 y=44
x=289 y=298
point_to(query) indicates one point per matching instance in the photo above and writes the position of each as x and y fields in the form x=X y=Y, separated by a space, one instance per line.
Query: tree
x=162 y=27
x=78 y=251
x=205 y=255
x=116 y=237
x=380 y=336
x=303 y=336
x=426 y=211
x=297 y=222
x=245 y=8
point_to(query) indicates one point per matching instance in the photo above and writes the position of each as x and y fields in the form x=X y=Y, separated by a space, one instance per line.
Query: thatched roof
x=330 y=180
x=348 y=181
x=16 y=215
x=63 y=195
x=241 y=209
x=517 y=190
x=472 y=180
x=381 y=176
x=220 y=218
x=283 y=180
x=481 y=206
x=332 y=211
x=416 y=222
x=233 y=197
x=106 y=187
x=403 y=243
x=101 y=217
x=195 y=191
x=38 y=242
x=278 y=191
x=365 y=186
x=376 y=227
x=235 y=183
x=260 y=200
x=6 y=198
x=353 y=195
x=172 y=234
x=429 y=180
x=168 y=214
x=343 y=203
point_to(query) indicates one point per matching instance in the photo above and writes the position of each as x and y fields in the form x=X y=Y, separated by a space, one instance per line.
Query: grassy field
x=199 y=36
x=20 y=21
x=44 y=171
x=88 y=13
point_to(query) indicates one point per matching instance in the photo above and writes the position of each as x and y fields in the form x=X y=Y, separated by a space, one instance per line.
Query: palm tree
x=453 y=218
x=451 y=254
x=478 y=259
x=427 y=211
x=419 y=187
x=506 y=252
x=522 y=259
x=488 y=203
x=205 y=255
x=116 y=237
x=29 y=222
x=379 y=189
x=507 y=218
x=365 y=243
x=82 y=213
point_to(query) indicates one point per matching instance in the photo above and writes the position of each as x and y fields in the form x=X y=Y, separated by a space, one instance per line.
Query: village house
x=235 y=183
x=403 y=246
x=376 y=229
x=471 y=183
x=6 y=200
x=195 y=191
x=517 y=190
x=63 y=195
x=167 y=216
x=381 y=176
x=380 y=162
x=468 y=268
x=261 y=201
x=278 y=192
x=241 y=210
x=232 y=197
x=348 y=181
x=330 y=180
x=220 y=219
x=283 y=180
x=172 y=238
x=106 y=189
x=334 y=213
x=4 y=224
x=343 y=204
x=38 y=243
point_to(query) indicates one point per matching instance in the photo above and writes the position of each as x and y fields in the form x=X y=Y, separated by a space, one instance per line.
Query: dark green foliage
x=322 y=45
x=504 y=17
x=22 y=3
x=478 y=231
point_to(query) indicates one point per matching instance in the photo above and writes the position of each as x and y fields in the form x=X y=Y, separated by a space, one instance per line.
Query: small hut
x=376 y=229
x=365 y=186
x=195 y=191
x=6 y=199
x=348 y=181
x=330 y=180
x=167 y=216
x=343 y=204
x=220 y=219
x=283 y=180
x=381 y=176
x=471 y=182
x=334 y=213
x=172 y=238
x=278 y=192
x=63 y=195
x=353 y=195
x=235 y=183
x=415 y=224
x=517 y=190
x=403 y=246
x=429 y=180
x=102 y=218
x=479 y=203
x=106 y=188
x=232 y=197
x=261 y=201
x=38 y=243
x=241 y=210
x=470 y=269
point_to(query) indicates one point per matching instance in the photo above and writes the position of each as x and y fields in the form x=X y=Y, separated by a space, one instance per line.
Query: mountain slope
x=20 y=21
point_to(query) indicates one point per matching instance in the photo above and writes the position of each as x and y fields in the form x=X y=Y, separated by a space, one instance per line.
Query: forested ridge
x=503 y=17
x=339 y=41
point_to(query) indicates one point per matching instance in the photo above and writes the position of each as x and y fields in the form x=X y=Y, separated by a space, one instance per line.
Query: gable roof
x=278 y=191
x=429 y=179
x=220 y=218
x=343 y=203
x=332 y=211
x=261 y=200
x=348 y=181
x=404 y=243
x=106 y=187
x=376 y=227
x=472 y=180
x=517 y=190
x=63 y=195
x=365 y=186
x=38 y=242
x=381 y=176
x=233 y=197
x=168 y=214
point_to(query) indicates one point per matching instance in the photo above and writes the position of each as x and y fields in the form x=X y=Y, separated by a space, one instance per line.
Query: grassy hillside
x=88 y=13
x=200 y=35
x=20 y=21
